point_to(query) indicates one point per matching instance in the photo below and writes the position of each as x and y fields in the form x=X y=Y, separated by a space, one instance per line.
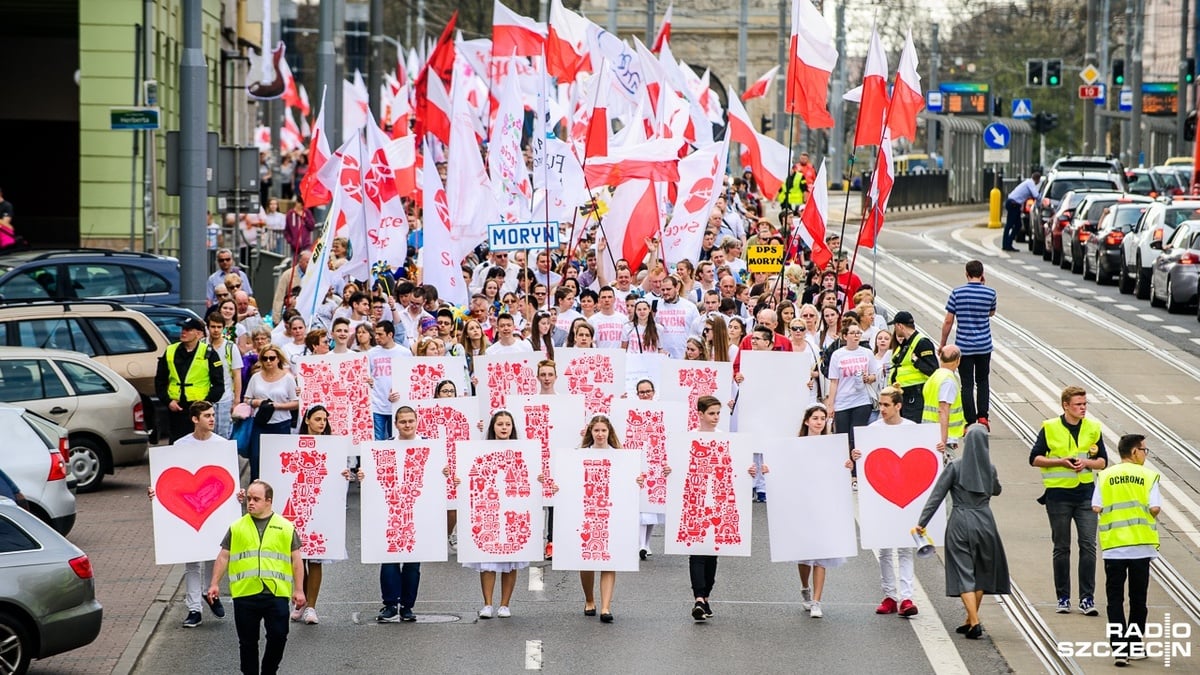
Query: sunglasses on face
x=268 y=359
x=224 y=259
x=798 y=329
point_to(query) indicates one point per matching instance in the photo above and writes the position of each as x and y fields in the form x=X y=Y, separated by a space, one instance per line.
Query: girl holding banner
x=502 y=428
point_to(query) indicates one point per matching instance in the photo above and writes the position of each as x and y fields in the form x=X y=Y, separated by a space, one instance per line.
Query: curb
x=150 y=620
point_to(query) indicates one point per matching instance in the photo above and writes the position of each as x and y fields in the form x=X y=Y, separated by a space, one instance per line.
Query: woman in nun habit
x=975 y=561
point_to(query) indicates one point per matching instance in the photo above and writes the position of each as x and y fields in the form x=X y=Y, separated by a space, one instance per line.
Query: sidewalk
x=114 y=529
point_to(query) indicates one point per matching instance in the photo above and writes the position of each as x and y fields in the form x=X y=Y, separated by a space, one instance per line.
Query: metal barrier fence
x=919 y=190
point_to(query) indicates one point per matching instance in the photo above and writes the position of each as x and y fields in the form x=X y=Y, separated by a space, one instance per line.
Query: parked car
x=1052 y=229
x=1091 y=163
x=102 y=413
x=1175 y=271
x=1054 y=188
x=124 y=276
x=1146 y=182
x=167 y=318
x=1084 y=219
x=1137 y=255
x=47 y=594
x=35 y=458
x=125 y=340
x=1102 y=252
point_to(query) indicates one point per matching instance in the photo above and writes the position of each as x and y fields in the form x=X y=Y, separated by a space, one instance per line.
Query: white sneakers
x=815 y=612
x=309 y=616
x=486 y=612
x=806 y=600
x=504 y=612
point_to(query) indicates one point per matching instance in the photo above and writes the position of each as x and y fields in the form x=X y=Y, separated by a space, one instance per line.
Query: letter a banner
x=596 y=509
x=499 y=502
x=403 y=511
x=708 y=494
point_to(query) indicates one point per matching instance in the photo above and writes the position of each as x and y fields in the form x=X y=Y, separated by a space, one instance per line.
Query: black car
x=1086 y=216
x=1102 y=250
x=87 y=274
x=1057 y=185
x=167 y=318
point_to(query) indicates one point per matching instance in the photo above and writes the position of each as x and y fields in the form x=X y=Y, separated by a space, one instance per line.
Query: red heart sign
x=193 y=497
x=898 y=479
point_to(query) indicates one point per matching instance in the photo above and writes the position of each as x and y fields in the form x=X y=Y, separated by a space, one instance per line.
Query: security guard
x=262 y=552
x=943 y=400
x=183 y=378
x=913 y=361
x=792 y=194
x=1128 y=503
x=1068 y=449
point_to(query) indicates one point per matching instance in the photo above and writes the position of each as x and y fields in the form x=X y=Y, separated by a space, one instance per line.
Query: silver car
x=46 y=591
x=33 y=457
x=1173 y=279
x=102 y=411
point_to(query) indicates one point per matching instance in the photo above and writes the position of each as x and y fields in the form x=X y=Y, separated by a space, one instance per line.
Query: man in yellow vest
x=1068 y=449
x=188 y=371
x=943 y=400
x=1128 y=504
x=262 y=553
x=913 y=361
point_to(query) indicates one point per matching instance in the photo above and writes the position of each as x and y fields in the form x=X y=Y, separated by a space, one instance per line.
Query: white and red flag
x=811 y=58
x=515 y=35
x=506 y=165
x=440 y=264
x=907 y=99
x=386 y=220
x=656 y=160
x=761 y=86
x=700 y=176
x=566 y=44
x=768 y=158
x=312 y=191
x=664 y=31
x=814 y=219
x=871 y=95
x=881 y=189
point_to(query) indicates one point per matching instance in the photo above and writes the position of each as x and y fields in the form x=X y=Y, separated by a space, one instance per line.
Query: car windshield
x=1125 y=219
x=1096 y=209
x=1064 y=185
x=1178 y=214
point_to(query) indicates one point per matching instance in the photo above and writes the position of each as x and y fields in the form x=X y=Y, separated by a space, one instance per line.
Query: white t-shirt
x=518 y=346
x=947 y=392
x=565 y=319
x=191 y=439
x=881 y=423
x=847 y=366
x=634 y=338
x=675 y=321
x=282 y=390
x=379 y=361
x=608 y=330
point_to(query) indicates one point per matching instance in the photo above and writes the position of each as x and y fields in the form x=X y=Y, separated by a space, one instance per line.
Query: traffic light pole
x=1135 y=83
x=1181 y=105
x=1089 y=57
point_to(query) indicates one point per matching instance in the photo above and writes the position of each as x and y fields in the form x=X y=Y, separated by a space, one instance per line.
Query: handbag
x=265 y=410
x=242 y=411
x=242 y=430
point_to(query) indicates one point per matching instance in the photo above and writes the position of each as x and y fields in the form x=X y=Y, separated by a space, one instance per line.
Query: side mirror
x=1156 y=245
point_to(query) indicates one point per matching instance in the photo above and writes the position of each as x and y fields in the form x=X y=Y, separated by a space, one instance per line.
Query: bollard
x=994 y=209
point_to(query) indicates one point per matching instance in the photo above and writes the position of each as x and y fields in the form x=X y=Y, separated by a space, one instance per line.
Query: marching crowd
x=239 y=364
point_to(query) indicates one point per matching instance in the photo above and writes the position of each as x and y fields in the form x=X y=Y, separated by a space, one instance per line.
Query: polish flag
x=305 y=109
x=386 y=221
x=312 y=191
x=814 y=218
x=881 y=189
x=907 y=99
x=472 y=206
x=761 y=86
x=437 y=110
x=656 y=160
x=348 y=213
x=871 y=95
x=440 y=264
x=768 y=158
x=513 y=34
x=441 y=63
x=402 y=157
x=291 y=94
x=633 y=216
x=401 y=113
x=811 y=58
x=566 y=44
x=664 y=31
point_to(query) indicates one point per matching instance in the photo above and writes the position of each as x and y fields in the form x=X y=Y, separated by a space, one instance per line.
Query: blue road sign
x=933 y=101
x=996 y=136
x=1022 y=109
x=1125 y=102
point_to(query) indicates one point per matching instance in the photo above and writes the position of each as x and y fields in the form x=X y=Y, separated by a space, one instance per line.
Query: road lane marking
x=1087 y=291
x=533 y=654
x=1177 y=329
x=1047 y=275
x=1126 y=308
x=536 y=584
x=1066 y=282
x=1150 y=317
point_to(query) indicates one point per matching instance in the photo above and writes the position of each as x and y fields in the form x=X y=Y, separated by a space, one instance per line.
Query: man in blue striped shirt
x=972 y=305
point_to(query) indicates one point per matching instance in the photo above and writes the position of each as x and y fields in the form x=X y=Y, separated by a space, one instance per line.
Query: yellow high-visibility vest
x=197 y=381
x=256 y=563
x=1125 y=518
x=957 y=423
x=906 y=374
x=1061 y=444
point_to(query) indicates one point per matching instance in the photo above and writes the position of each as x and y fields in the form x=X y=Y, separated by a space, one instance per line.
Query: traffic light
x=1045 y=122
x=1189 y=127
x=766 y=124
x=1189 y=72
x=997 y=106
x=1035 y=73
x=1054 y=73
x=1118 y=72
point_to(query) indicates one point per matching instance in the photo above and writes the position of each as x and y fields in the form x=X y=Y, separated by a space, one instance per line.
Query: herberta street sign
x=136 y=119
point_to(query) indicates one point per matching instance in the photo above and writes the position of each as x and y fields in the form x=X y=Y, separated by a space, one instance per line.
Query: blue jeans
x=248 y=613
x=398 y=583
x=1012 y=224
x=383 y=426
x=256 y=433
x=224 y=413
x=1061 y=515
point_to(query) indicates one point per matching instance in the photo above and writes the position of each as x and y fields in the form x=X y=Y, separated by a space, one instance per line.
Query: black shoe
x=406 y=614
x=193 y=619
x=698 y=611
x=708 y=613
x=217 y=608
x=589 y=612
x=975 y=632
x=388 y=614
x=606 y=618
x=1010 y=248
x=963 y=629
x=643 y=554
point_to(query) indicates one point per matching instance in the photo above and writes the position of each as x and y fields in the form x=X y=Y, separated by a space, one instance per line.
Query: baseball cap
x=191 y=324
x=905 y=318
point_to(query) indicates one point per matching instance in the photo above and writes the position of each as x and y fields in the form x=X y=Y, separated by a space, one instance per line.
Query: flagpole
x=583 y=164
x=786 y=225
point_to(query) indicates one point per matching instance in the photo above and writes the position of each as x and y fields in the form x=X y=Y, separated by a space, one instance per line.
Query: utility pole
x=612 y=16
x=150 y=167
x=193 y=159
x=1135 y=81
x=743 y=26
x=1181 y=105
x=1102 y=122
x=273 y=109
x=650 y=12
x=785 y=37
x=935 y=63
x=421 y=28
x=339 y=67
x=1089 y=56
x=375 y=65
x=837 y=107
x=326 y=75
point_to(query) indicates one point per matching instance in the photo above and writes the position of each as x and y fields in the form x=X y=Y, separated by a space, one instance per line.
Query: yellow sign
x=1089 y=74
x=767 y=258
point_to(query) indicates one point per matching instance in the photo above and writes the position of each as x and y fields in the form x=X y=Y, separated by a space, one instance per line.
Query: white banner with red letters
x=500 y=507
x=504 y=375
x=552 y=422
x=595 y=510
x=708 y=494
x=338 y=382
x=643 y=426
x=450 y=420
x=417 y=378
x=687 y=381
x=310 y=491
x=403 y=509
x=596 y=374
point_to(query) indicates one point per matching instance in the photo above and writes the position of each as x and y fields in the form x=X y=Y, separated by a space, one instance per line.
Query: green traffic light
x=1053 y=81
